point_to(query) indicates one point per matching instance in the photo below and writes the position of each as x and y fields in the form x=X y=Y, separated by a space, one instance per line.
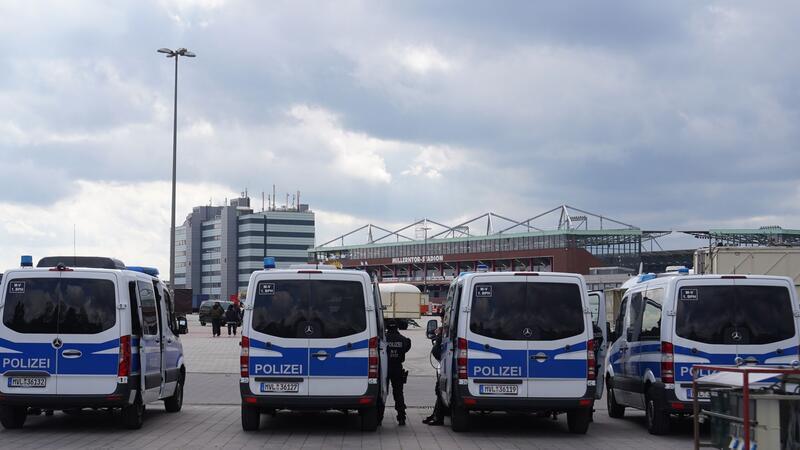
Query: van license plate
x=27 y=382
x=280 y=387
x=499 y=389
x=700 y=395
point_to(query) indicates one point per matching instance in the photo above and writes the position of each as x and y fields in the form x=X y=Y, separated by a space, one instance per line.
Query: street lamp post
x=425 y=229
x=174 y=54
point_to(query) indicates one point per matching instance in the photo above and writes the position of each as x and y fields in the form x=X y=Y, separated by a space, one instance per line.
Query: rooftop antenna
x=262 y=201
x=274 y=197
x=298 y=199
x=294 y=204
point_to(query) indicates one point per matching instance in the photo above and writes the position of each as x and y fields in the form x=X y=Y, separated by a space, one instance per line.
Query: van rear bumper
x=530 y=404
x=120 y=397
x=309 y=402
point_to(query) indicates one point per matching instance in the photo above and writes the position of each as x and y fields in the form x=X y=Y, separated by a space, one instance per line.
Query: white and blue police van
x=519 y=341
x=312 y=339
x=667 y=323
x=87 y=332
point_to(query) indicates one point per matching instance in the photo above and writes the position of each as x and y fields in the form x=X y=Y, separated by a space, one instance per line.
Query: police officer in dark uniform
x=398 y=345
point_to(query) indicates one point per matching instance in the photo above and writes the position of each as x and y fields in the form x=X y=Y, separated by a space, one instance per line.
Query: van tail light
x=667 y=363
x=373 y=357
x=461 y=359
x=244 y=357
x=124 y=367
x=591 y=362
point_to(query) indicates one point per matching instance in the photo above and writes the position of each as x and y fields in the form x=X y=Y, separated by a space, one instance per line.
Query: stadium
x=430 y=254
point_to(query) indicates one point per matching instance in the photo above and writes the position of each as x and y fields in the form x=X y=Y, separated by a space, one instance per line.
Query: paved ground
x=210 y=418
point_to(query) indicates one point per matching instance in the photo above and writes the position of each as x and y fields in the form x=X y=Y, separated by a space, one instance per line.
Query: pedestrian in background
x=216 y=314
x=232 y=317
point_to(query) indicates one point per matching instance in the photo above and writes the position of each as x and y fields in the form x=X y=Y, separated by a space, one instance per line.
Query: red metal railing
x=745 y=371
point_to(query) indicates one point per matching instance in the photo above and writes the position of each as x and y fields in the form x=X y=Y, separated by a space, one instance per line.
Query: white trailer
x=781 y=261
x=402 y=301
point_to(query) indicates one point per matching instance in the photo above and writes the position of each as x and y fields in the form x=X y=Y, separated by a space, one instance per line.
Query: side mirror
x=430 y=328
x=183 y=325
x=629 y=335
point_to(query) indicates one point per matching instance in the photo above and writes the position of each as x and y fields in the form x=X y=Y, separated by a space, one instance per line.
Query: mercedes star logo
x=736 y=336
x=527 y=332
x=309 y=330
x=57 y=343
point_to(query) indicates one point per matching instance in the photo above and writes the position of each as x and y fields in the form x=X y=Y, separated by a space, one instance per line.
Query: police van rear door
x=28 y=334
x=560 y=331
x=89 y=328
x=497 y=346
x=278 y=342
x=339 y=334
x=597 y=307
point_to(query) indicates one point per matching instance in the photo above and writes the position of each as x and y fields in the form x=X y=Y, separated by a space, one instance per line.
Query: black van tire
x=459 y=418
x=369 y=418
x=133 y=415
x=615 y=410
x=174 y=403
x=656 y=419
x=578 y=420
x=251 y=418
x=13 y=417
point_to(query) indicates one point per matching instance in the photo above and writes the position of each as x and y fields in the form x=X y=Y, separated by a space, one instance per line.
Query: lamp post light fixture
x=174 y=54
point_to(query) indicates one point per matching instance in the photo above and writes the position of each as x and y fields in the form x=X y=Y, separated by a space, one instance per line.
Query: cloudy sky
x=666 y=115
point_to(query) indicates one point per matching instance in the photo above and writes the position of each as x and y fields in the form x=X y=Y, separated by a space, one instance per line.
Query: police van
x=312 y=339
x=667 y=323
x=519 y=341
x=94 y=334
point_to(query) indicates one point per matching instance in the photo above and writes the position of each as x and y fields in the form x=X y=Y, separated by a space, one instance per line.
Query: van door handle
x=539 y=357
x=70 y=354
x=320 y=355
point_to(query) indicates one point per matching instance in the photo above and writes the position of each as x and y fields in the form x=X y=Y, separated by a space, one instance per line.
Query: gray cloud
x=663 y=114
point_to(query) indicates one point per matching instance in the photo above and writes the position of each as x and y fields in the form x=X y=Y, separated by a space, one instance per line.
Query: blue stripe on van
x=683 y=371
x=519 y=363
x=41 y=356
x=292 y=361
x=558 y=368
x=334 y=366
x=27 y=356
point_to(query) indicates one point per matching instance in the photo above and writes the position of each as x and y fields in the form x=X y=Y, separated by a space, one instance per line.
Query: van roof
x=544 y=274
x=17 y=272
x=673 y=278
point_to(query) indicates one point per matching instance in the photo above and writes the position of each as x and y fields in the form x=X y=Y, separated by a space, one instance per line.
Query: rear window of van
x=309 y=309
x=526 y=311
x=60 y=305
x=734 y=314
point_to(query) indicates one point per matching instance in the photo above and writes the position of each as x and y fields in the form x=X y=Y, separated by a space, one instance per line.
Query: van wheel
x=578 y=420
x=133 y=415
x=657 y=420
x=13 y=417
x=459 y=418
x=251 y=418
x=615 y=410
x=369 y=418
x=175 y=403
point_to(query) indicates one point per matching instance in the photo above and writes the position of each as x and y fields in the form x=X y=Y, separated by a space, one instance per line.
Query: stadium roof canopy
x=764 y=236
x=561 y=220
